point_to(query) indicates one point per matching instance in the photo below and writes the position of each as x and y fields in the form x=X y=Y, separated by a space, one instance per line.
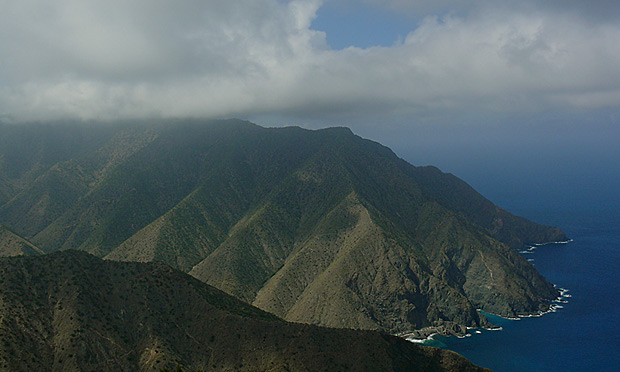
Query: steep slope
x=28 y=151
x=5 y=188
x=374 y=251
x=456 y=195
x=12 y=244
x=236 y=176
x=315 y=226
x=52 y=167
x=70 y=311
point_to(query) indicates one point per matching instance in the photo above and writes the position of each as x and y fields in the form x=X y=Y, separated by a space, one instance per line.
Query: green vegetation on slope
x=12 y=244
x=70 y=311
x=320 y=227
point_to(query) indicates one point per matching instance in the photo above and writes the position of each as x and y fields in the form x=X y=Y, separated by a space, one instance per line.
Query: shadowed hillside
x=70 y=311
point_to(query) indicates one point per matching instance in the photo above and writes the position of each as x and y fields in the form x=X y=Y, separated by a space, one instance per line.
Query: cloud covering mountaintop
x=251 y=58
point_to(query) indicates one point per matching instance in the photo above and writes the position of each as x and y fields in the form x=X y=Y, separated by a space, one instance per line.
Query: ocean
x=566 y=174
x=582 y=335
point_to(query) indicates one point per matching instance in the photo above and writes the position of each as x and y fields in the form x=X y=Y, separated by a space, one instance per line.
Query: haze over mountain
x=317 y=227
x=70 y=311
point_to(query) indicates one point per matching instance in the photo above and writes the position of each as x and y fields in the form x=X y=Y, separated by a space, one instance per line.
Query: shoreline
x=553 y=307
x=420 y=336
x=424 y=335
x=428 y=334
x=531 y=247
x=421 y=340
x=548 y=243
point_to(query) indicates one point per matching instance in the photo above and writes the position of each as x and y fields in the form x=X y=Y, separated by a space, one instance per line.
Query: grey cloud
x=594 y=10
x=122 y=40
x=260 y=58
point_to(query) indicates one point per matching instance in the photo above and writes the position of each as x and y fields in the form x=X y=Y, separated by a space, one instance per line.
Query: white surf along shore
x=554 y=306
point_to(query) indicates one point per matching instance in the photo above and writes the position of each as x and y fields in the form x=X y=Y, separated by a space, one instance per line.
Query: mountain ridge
x=238 y=206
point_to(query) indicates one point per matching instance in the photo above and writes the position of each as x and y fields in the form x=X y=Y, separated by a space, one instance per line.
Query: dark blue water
x=584 y=335
x=570 y=181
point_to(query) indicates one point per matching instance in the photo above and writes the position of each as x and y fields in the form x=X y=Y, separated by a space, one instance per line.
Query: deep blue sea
x=557 y=171
x=584 y=335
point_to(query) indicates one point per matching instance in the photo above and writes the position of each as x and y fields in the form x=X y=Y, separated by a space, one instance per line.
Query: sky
x=476 y=87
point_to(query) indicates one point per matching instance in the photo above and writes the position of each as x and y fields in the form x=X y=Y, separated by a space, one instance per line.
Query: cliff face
x=319 y=227
x=70 y=311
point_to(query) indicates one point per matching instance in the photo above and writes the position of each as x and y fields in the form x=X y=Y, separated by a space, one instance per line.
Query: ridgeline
x=320 y=227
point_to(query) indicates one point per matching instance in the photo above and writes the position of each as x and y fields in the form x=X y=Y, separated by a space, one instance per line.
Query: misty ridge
x=315 y=226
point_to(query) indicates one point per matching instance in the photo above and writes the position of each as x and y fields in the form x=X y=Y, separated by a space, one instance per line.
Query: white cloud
x=92 y=59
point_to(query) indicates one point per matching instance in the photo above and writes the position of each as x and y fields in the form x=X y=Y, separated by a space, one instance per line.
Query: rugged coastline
x=427 y=334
